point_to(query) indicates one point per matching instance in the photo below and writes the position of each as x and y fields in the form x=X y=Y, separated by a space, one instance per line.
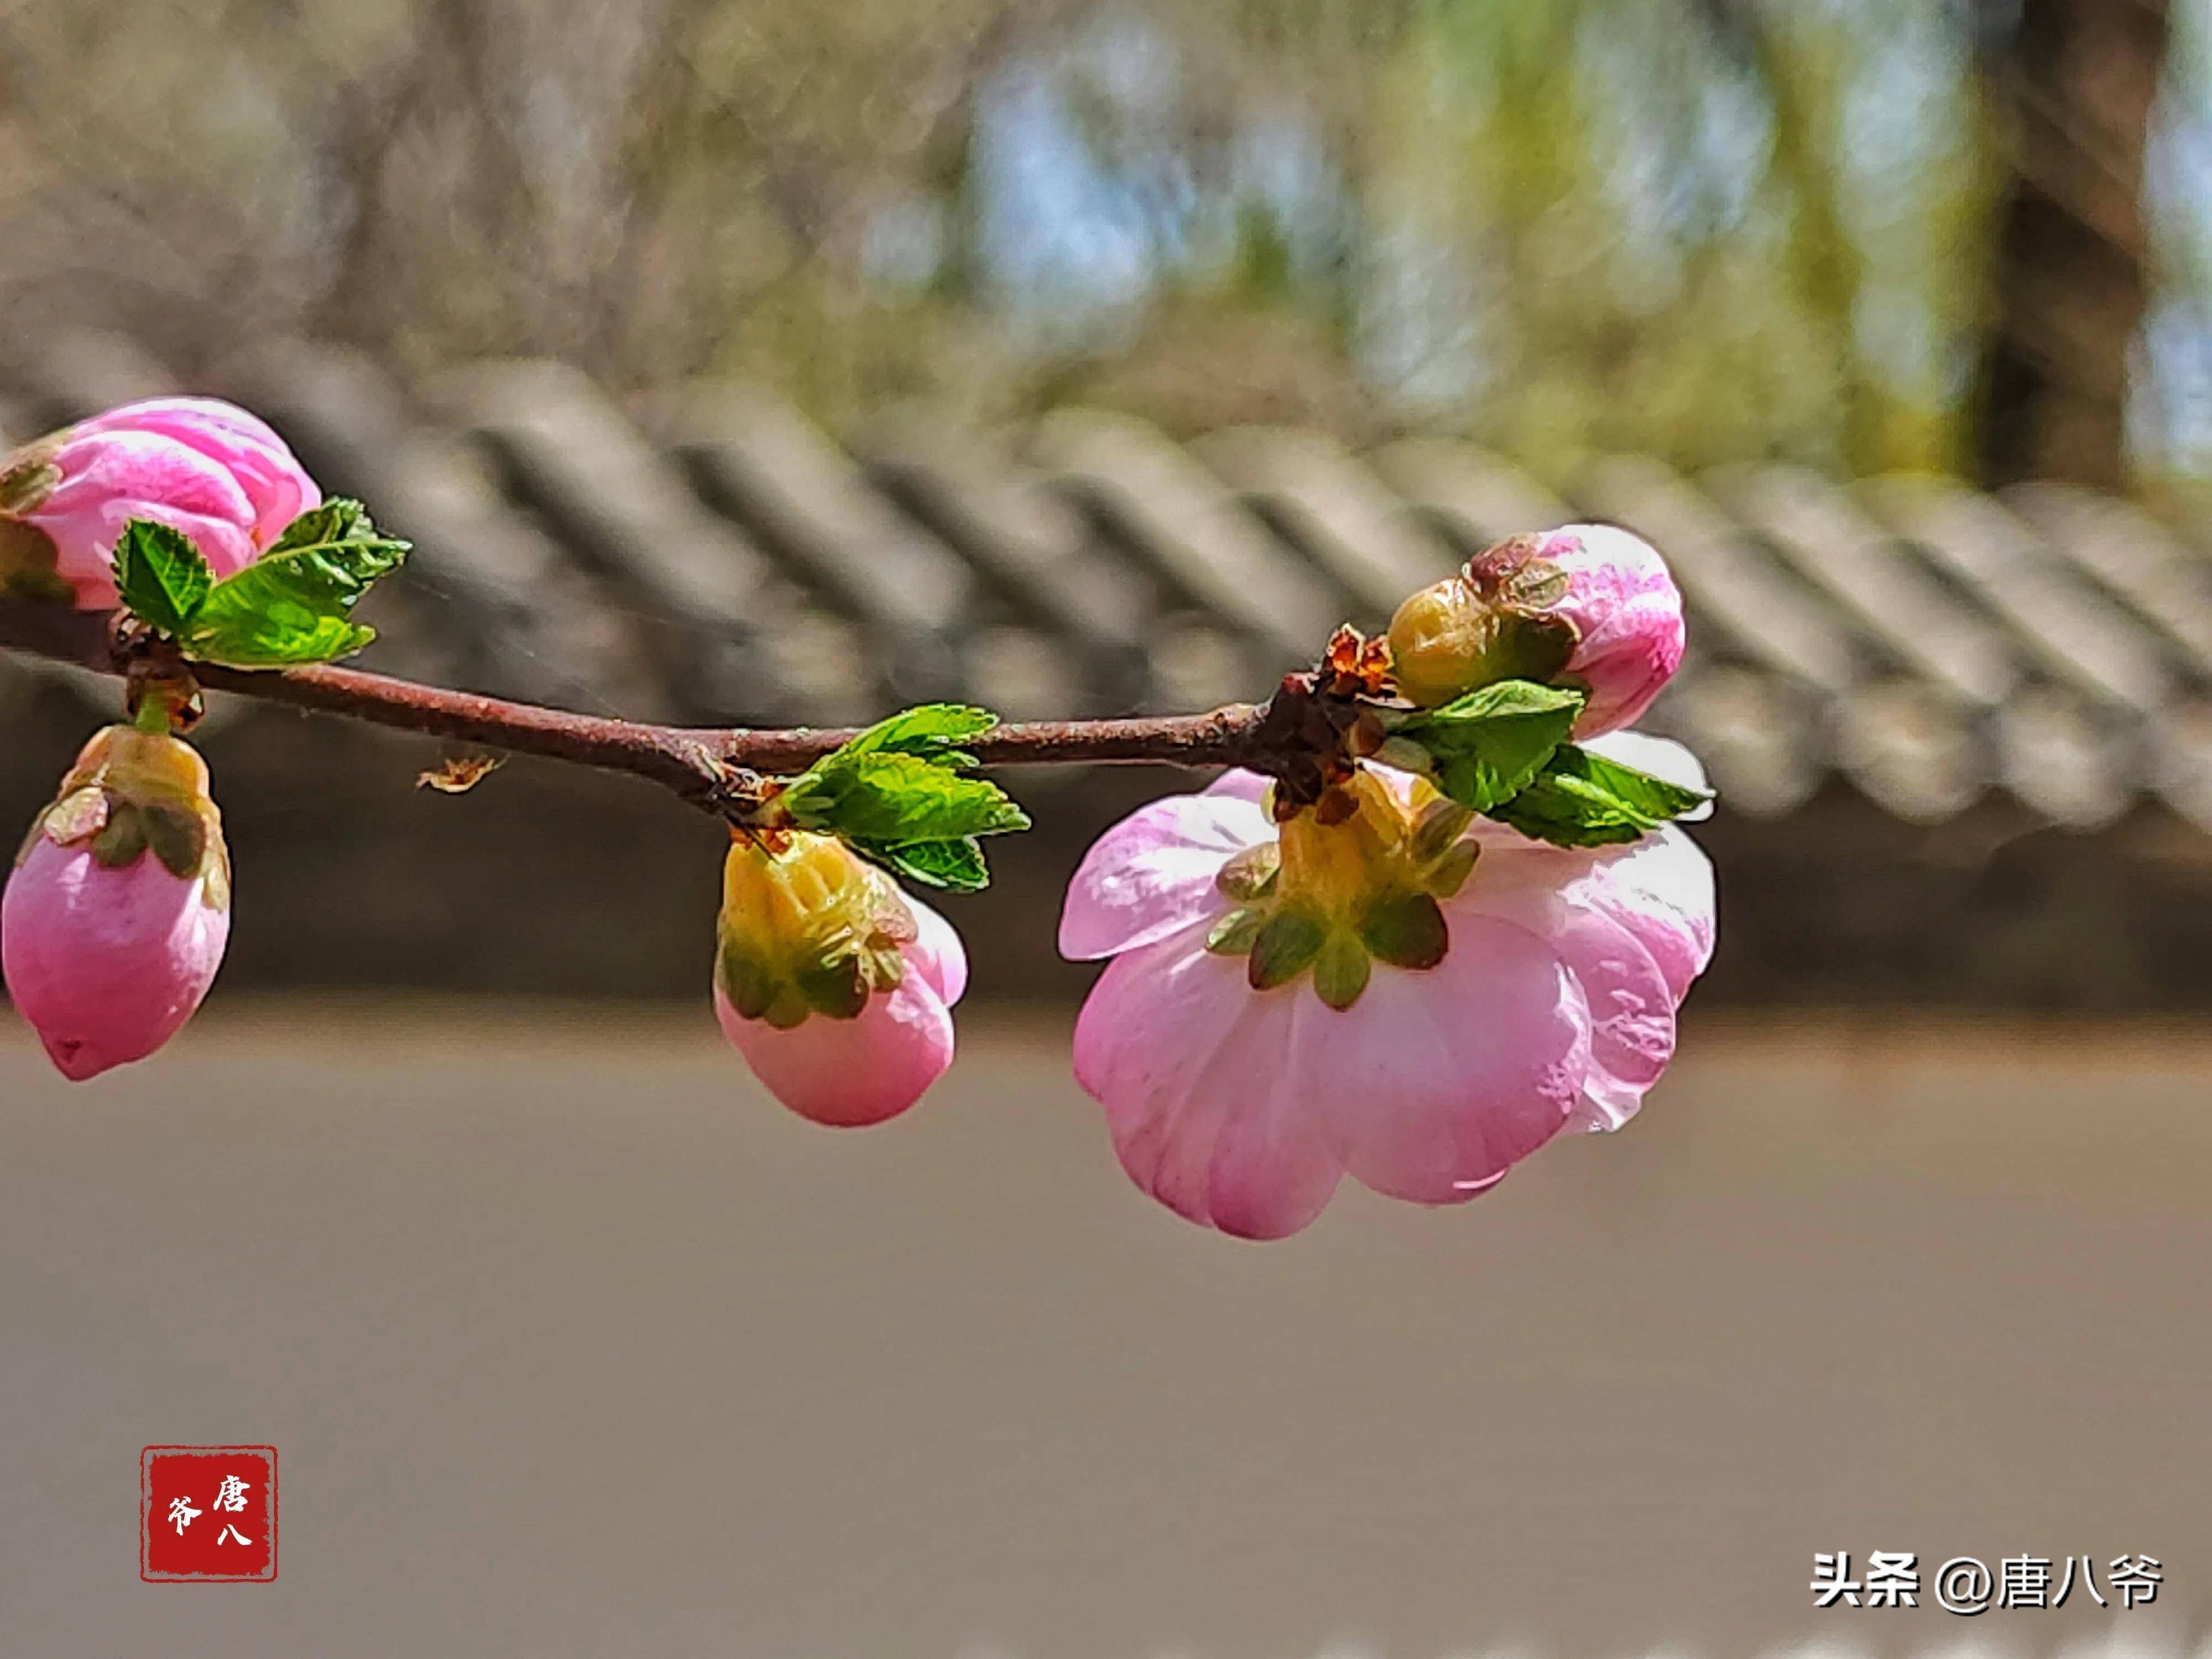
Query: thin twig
x=707 y=766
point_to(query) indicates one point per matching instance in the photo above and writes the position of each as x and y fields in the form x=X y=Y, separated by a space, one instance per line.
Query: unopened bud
x=835 y=986
x=116 y=913
x=1589 y=606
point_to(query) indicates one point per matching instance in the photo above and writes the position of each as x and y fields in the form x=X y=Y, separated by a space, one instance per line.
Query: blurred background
x=763 y=361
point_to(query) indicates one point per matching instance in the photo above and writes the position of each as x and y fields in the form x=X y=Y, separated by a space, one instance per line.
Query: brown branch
x=711 y=766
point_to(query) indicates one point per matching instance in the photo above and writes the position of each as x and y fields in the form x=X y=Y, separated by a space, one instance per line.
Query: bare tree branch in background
x=2074 y=83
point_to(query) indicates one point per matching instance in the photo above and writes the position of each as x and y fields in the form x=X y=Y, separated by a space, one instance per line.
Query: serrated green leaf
x=160 y=575
x=291 y=605
x=956 y=865
x=894 y=798
x=929 y=730
x=1484 y=746
x=1583 y=800
x=340 y=522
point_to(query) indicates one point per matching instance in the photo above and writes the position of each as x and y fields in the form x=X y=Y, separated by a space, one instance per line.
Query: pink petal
x=850 y=1072
x=1625 y=601
x=242 y=444
x=936 y=952
x=1661 y=890
x=1207 y=1116
x=1240 y=785
x=1631 y=1006
x=1151 y=874
x=110 y=478
x=106 y=965
x=1447 y=1076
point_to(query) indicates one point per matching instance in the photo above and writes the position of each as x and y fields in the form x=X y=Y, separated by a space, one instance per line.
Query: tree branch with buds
x=177 y=545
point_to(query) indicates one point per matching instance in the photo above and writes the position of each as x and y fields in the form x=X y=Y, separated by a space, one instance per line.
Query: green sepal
x=1234 y=934
x=1406 y=930
x=1284 y=948
x=837 y=987
x=77 y=816
x=1250 y=874
x=750 y=984
x=27 y=562
x=1584 y=799
x=1448 y=873
x=1483 y=747
x=1341 y=970
x=1441 y=823
x=29 y=478
x=122 y=839
x=160 y=575
x=178 y=836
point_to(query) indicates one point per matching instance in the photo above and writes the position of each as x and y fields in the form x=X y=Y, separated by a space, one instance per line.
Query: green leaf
x=955 y=864
x=929 y=730
x=895 y=794
x=893 y=798
x=1484 y=746
x=292 y=605
x=161 y=575
x=1583 y=800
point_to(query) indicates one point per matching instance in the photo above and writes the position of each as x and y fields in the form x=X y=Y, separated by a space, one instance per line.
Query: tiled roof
x=713 y=556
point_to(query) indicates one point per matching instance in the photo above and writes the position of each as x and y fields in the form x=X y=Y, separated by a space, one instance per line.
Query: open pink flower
x=201 y=465
x=115 y=917
x=1473 y=992
x=836 y=987
x=1588 y=606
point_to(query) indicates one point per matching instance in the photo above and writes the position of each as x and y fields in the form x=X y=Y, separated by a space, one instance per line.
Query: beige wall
x=571 y=1343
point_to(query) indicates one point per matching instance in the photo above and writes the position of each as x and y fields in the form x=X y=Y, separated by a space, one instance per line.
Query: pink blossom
x=203 y=466
x=836 y=987
x=1552 y=1003
x=115 y=918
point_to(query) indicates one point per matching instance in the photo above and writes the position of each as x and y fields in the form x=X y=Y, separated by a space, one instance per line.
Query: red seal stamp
x=207 y=1515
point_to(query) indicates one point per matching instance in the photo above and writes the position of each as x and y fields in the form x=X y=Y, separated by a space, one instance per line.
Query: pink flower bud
x=200 y=466
x=835 y=987
x=1588 y=606
x=114 y=921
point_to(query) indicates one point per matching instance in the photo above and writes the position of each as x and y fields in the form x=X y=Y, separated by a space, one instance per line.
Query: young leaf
x=955 y=864
x=292 y=605
x=1583 y=800
x=893 y=798
x=929 y=730
x=1484 y=746
x=161 y=575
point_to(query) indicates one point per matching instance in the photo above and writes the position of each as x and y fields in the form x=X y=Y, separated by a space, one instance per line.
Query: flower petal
x=1240 y=784
x=106 y=965
x=1207 y=1114
x=850 y=1072
x=1446 y=1076
x=1625 y=604
x=936 y=952
x=1661 y=890
x=1631 y=1005
x=1151 y=874
x=243 y=444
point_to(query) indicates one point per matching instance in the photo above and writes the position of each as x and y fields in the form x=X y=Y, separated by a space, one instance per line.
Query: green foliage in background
x=1708 y=229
